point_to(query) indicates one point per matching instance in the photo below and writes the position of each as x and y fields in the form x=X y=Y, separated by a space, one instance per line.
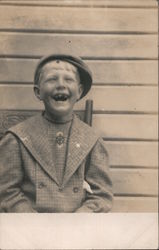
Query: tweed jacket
x=28 y=181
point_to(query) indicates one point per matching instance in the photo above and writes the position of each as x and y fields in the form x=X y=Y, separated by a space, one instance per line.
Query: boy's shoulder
x=29 y=128
x=81 y=125
x=29 y=124
x=87 y=128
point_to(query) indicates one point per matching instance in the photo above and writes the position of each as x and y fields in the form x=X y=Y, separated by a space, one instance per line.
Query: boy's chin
x=59 y=114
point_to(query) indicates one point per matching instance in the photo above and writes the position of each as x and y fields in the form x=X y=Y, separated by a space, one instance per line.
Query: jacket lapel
x=34 y=135
x=82 y=139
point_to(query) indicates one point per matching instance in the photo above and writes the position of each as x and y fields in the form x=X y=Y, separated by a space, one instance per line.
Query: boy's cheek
x=44 y=95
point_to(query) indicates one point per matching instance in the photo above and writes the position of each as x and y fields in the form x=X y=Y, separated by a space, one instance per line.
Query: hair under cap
x=84 y=72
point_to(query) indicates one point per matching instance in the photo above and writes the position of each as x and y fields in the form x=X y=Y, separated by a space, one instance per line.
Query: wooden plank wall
x=118 y=40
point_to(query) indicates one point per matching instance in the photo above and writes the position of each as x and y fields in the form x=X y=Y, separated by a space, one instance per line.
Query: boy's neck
x=58 y=119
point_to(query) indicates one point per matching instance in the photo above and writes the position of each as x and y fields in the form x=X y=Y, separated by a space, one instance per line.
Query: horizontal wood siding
x=128 y=182
x=118 y=40
x=105 y=72
x=106 y=98
x=78 y=19
x=104 y=47
x=139 y=127
x=86 y=3
x=133 y=154
x=135 y=204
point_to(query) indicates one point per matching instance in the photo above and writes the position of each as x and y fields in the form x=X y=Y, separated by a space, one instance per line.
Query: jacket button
x=75 y=189
x=41 y=185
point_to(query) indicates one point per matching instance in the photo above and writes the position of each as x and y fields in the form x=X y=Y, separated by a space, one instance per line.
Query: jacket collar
x=33 y=134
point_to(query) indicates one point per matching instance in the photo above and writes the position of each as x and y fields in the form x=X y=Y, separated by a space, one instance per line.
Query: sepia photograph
x=78 y=124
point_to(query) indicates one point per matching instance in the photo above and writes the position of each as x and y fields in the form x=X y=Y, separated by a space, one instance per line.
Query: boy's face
x=59 y=88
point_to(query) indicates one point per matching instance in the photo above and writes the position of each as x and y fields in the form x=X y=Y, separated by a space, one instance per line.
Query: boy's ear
x=81 y=88
x=37 y=92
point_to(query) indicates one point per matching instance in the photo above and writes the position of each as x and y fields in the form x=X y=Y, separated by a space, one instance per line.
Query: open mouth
x=60 y=97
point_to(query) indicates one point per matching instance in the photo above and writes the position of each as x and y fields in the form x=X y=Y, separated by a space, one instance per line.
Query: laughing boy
x=43 y=159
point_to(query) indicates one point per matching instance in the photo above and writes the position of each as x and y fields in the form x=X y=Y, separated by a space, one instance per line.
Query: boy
x=43 y=159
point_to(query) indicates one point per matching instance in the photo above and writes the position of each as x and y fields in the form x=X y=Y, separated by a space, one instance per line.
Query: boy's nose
x=61 y=83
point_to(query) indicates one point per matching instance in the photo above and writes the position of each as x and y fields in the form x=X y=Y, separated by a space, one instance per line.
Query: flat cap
x=84 y=71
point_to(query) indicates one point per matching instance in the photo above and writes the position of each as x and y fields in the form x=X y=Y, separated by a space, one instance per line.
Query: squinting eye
x=51 y=80
x=69 y=79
